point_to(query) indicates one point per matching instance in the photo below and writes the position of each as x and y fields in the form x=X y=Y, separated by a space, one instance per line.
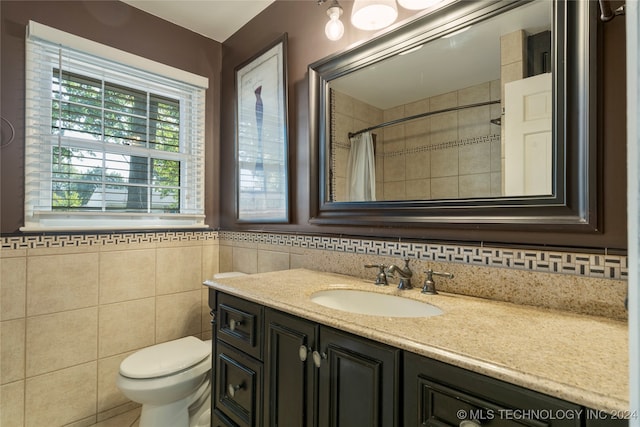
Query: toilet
x=172 y=381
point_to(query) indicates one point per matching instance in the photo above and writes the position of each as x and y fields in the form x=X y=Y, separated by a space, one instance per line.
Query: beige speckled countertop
x=579 y=358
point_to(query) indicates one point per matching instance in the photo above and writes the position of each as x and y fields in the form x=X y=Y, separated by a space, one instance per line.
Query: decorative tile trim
x=440 y=146
x=91 y=240
x=573 y=263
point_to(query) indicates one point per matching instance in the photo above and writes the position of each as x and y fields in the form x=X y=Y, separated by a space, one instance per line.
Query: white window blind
x=109 y=144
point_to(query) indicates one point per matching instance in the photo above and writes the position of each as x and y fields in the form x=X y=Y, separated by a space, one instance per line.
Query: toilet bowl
x=172 y=381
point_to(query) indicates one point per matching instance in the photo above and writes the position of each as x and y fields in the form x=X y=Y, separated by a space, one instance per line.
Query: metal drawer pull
x=469 y=423
x=317 y=358
x=232 y=389
x=303 y=352
x=233 y=324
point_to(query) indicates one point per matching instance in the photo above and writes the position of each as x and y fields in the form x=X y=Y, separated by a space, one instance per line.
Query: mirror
x=486 y=106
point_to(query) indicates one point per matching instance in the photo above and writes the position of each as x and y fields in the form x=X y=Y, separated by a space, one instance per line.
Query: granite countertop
x=578 y=358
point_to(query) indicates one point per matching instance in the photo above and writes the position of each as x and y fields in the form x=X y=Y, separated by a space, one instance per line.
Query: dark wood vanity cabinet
x=437 y=394
x=316 y=375
x=273 y=369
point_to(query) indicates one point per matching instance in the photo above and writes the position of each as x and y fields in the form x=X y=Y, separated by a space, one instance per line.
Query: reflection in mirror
x=466 y=115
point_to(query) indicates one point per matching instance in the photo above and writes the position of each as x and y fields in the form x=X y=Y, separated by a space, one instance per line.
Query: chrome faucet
x=381 y=277
x=405 y=274
x=429 y=286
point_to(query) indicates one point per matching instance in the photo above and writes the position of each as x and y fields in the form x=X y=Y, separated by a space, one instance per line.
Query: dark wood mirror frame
x=573 y=205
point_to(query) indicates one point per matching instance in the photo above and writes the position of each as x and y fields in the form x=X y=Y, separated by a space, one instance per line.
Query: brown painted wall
x=304 y=22
x=118 y=25
x=115 y=24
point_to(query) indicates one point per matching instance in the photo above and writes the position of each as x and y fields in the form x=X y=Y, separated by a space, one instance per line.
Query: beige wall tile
x=12 y=405
x=496 y=184
x=245 y=260
x=178 y=269
x=60 y=340
x=343 y=103
x=474 y=122
x=126 y=326
x=178 y=315
x=394 y=139
x=444 y=188
x=443 y=101
x=210 y=261
x=272 y=261
x=61 y=397
x=512 y=47
x=12 y=350
x=474 y=158
x=394 y=190
x=13 y=287
x=109 y=396
x=444 y=162
x=476 y=185
x=61 y=282
x=475 y=94
x=444 y=128
x=394 y=168
x=127 y=275
x=226 y=257
x=418 y=165
x=418 y=189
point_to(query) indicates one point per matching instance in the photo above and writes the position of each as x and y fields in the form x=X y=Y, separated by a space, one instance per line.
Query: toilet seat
x=165 y=359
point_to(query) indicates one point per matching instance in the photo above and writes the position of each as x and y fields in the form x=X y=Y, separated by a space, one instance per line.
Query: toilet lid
x=164 y=359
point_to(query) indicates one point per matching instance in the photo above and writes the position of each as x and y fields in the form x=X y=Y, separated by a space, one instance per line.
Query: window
x=110 y=144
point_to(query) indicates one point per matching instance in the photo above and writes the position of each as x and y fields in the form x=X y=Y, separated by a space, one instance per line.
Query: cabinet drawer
x=218 y=419
x=444 y=406
x=438 y=394
x=239 y=323
x=238 y=386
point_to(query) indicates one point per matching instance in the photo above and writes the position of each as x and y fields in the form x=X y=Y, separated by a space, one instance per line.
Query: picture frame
x=262 y=146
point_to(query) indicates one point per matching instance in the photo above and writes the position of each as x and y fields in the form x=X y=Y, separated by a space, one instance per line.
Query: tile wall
x=73 y=307
x=448 y=155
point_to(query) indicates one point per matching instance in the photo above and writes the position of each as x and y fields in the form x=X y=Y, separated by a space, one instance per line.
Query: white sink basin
x=374 y=304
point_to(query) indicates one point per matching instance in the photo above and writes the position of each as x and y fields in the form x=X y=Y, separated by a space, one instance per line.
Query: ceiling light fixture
x=373 y=14
x=418 y=4
x=334 y=28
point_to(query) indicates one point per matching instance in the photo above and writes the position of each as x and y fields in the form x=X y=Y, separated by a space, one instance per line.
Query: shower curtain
x=361 y=169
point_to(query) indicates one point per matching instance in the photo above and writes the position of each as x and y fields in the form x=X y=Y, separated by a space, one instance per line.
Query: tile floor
x=127 y=419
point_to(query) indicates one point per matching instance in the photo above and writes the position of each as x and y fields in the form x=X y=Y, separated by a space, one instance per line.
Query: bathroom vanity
x=282 y=360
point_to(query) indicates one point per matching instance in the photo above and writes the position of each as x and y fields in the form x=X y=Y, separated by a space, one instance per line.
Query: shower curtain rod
x=418 y=116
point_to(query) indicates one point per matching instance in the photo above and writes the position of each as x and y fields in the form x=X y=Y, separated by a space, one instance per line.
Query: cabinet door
x=358 y=382
x=440 y=395
x=289 y=371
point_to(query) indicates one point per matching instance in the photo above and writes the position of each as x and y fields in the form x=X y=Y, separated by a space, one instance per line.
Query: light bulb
x=334 y=29
x=373 y=14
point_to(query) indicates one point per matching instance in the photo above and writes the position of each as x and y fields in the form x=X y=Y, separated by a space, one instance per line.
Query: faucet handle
x=429 y=286
x=381 y=277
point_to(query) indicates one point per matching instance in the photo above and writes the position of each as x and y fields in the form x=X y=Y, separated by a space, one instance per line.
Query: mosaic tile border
x=94 y=240
x=440 y=146
x=572 y=263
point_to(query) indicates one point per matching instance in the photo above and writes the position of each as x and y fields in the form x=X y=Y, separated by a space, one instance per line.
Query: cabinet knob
x=233 y=389
x=233 y=324
x=317 y=358
x=469 y=423
x=303 y=352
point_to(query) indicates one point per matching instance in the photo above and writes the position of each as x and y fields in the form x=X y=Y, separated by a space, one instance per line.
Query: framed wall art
x=262 y=193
